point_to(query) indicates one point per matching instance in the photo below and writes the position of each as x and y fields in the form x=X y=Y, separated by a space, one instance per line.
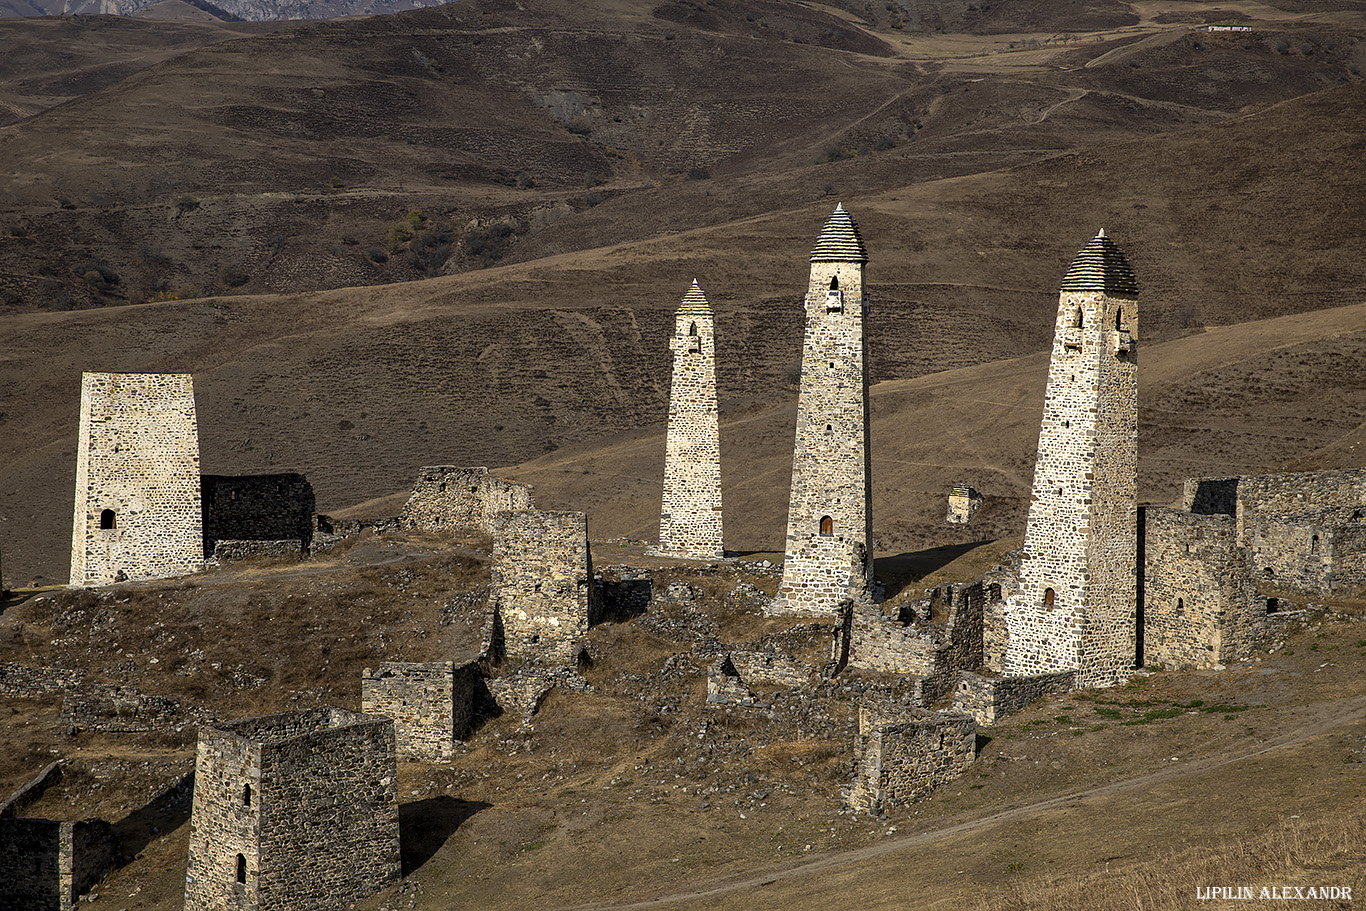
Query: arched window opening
x=834 y=283
x=108 y=519
x=1314 y=544
x=1119 y=319
x=1268 y=573
x=1074 y=319
x=1180 y=606
x=827 y=526
x=830 y=427
x=1049 y=596
x=241 y=868
x=692 y=328
x=246 y=795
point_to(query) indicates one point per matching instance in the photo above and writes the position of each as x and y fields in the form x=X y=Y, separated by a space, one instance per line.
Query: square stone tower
x=1075 y=606
x=690 y=520
x=829 y=519
x=293 y=812
x=138 y=512
x=544 y=593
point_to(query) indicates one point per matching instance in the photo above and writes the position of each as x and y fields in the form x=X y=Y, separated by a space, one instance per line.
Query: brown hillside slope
x=359 y=387
x=284 y=162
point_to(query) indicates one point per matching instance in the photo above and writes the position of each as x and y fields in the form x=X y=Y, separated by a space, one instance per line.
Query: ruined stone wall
x=542 y=585
x=431 y=704
x=45 y=864
x=88 y=852
x=29 y=865
x=987 y=699
x=232 y=551
x=829 y=519
x=1075 y=605
x=137 y=511
x=450 y=499
x=690 y=518
x=309 y=801
x=1198 y=601
x=1298 y=493
x=903 y=755
x=267 y=507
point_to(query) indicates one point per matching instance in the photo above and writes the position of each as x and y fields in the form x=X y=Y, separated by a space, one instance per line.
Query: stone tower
x=690 y=521
x=293 y=812
x=138 y=513
x=1075 y=607
x=829 y=522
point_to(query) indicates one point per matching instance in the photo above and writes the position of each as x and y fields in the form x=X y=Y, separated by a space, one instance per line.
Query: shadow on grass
x=897 y=572
x=425 y=825
x=164 y=813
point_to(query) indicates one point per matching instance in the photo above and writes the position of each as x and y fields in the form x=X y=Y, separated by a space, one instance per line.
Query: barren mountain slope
x=288 y=162
x=358 y=388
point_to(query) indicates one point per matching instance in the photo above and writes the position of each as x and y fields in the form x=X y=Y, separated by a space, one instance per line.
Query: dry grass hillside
x=564 y=356
x=290 y=160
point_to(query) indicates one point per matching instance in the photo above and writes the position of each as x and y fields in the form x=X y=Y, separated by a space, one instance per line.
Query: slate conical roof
x=840 y=241
x=1100 y=266
x=695 y=302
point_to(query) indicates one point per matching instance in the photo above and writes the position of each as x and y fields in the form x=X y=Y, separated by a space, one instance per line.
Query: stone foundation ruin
x=293 y=812
x=907 y=753
x=446 y=498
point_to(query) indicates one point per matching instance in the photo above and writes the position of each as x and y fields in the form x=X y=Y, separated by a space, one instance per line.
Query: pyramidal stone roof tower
x=1075 y=607
x=829 y=517
x=138 y=512
x=690 y=519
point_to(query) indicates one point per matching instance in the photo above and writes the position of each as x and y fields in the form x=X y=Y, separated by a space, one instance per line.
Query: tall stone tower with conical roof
x=1075 y=607
x=829 y=519
x=690 y=521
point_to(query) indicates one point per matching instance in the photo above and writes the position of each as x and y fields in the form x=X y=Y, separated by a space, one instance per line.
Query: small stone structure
x=829 y=519
x=543 y=595
x=1216 y=570
x=137 y=512
x=431 y=704
x=257 y=515
x=47 y=864
x=293 y=812
x=933 y=638
x=1075 y=605
x=905 y=753
x=987 y=698
x=731 y=675
x=447 y=498
x=690 y=519
x=964 y=502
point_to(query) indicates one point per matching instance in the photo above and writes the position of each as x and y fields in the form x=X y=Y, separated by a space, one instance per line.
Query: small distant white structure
x=964 y=502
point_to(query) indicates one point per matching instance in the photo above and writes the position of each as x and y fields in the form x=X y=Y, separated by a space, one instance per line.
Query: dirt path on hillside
x=1327 y=718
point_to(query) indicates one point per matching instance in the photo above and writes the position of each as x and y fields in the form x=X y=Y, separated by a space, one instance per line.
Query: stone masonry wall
x=903 y=755
x=447 y=498
x=690 y=518
x=1075 y=606
x=137 y=510
x=309 y=802
x=29 y=865
x=1198 y=597
x=964 y=502
x=431 y=704
x=542 y=585
x=829 y=519
x=266 y=507
x=987 y=699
